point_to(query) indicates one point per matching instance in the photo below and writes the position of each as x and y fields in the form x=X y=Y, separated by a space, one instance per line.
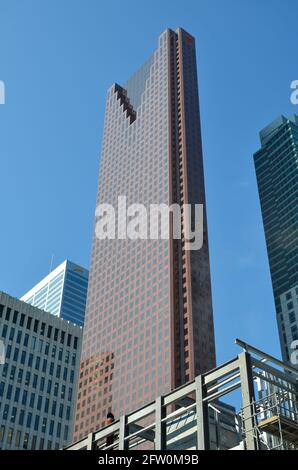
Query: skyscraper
x=149 y=322
x=62 y=292
x=38 y=376
x=276 y=166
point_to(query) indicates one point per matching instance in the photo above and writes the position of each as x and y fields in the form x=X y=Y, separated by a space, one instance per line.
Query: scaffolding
x=195 y=417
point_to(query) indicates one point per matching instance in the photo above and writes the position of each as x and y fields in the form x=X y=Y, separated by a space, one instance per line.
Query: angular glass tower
x=149 y=321
x=62 y=292
x=276 y=165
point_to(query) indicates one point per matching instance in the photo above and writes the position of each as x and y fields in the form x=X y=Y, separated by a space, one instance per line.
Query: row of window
x=37 y=345
x=23 y=442
x=39 y=327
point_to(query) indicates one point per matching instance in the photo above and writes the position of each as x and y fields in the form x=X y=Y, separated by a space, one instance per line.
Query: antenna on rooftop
x=51 y=263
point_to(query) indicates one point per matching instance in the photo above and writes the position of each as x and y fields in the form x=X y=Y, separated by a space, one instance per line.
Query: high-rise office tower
x=276 y=166
x=63 y=292
x=149 y=322
x=39 y=371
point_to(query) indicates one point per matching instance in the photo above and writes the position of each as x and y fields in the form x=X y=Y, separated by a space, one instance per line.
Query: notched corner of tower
x=124 y=100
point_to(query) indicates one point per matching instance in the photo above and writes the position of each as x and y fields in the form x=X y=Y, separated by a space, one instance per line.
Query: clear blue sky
x=58 y=57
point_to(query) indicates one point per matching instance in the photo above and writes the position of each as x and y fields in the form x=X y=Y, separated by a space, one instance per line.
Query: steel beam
x=123 y=443
x=248 y=399
x=203 y=441
x=160 y=425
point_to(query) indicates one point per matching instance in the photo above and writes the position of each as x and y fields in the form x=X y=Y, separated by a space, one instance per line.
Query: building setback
x=62 y=292
x=149 y=322
x=38 y=380
x=276 y=165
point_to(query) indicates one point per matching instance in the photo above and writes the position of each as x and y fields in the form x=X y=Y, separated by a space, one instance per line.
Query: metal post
x=203 y=442
x=123 y=443
x=248 y=399
x=160 y=427
x=90 y=441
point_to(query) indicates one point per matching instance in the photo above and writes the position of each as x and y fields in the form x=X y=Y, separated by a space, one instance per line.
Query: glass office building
x=276 y=165
x=149 y=322
x=38 y=376
x=63 y=292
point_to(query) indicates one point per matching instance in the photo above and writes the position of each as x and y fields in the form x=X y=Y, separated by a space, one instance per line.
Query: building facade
x=276 y=165
x=149 y=321
x=62 y=292
x=38 y=376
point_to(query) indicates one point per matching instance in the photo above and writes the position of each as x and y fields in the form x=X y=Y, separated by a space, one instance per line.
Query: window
x=23 y=357
x=2 y=431
x=30 y=361
x=46 y=406
x=20 y=375
x=42 y=329
x=58 y=433
x=8 y=310
x=32 y=399
x=35 y=329
x=29 y=321
x=39 y=402
x=18 y=438
x=292 y=317
x=33 y=444
x=29 y=420
x=49 y=386
x=37 y=363
x=15 y=316
x=27 y=379
x=9 y=392
x=16 y=354
x=13 y=414
x=9 y=435
x=12 y=372
x=11 y=334
x=24 y=398
x=36 y=424
x=42 y=382
x=65 y=433
x=21 y=417
x=44 y=425
x=26 y=440
x=26 y=339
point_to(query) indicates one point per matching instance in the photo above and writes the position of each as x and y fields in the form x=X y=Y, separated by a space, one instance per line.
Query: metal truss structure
x=185 y=418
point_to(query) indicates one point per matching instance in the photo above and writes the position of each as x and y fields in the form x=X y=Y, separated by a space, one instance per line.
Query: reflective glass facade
x=149 y=324
x=276 y=166
x=63 y=292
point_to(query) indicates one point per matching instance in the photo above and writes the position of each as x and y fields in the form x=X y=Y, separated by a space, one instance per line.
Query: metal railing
x=151 y=425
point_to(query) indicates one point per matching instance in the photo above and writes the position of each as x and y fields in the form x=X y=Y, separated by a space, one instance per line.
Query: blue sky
x=58 y=57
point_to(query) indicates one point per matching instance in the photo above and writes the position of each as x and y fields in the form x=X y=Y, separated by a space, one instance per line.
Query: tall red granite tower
x=149 y=322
